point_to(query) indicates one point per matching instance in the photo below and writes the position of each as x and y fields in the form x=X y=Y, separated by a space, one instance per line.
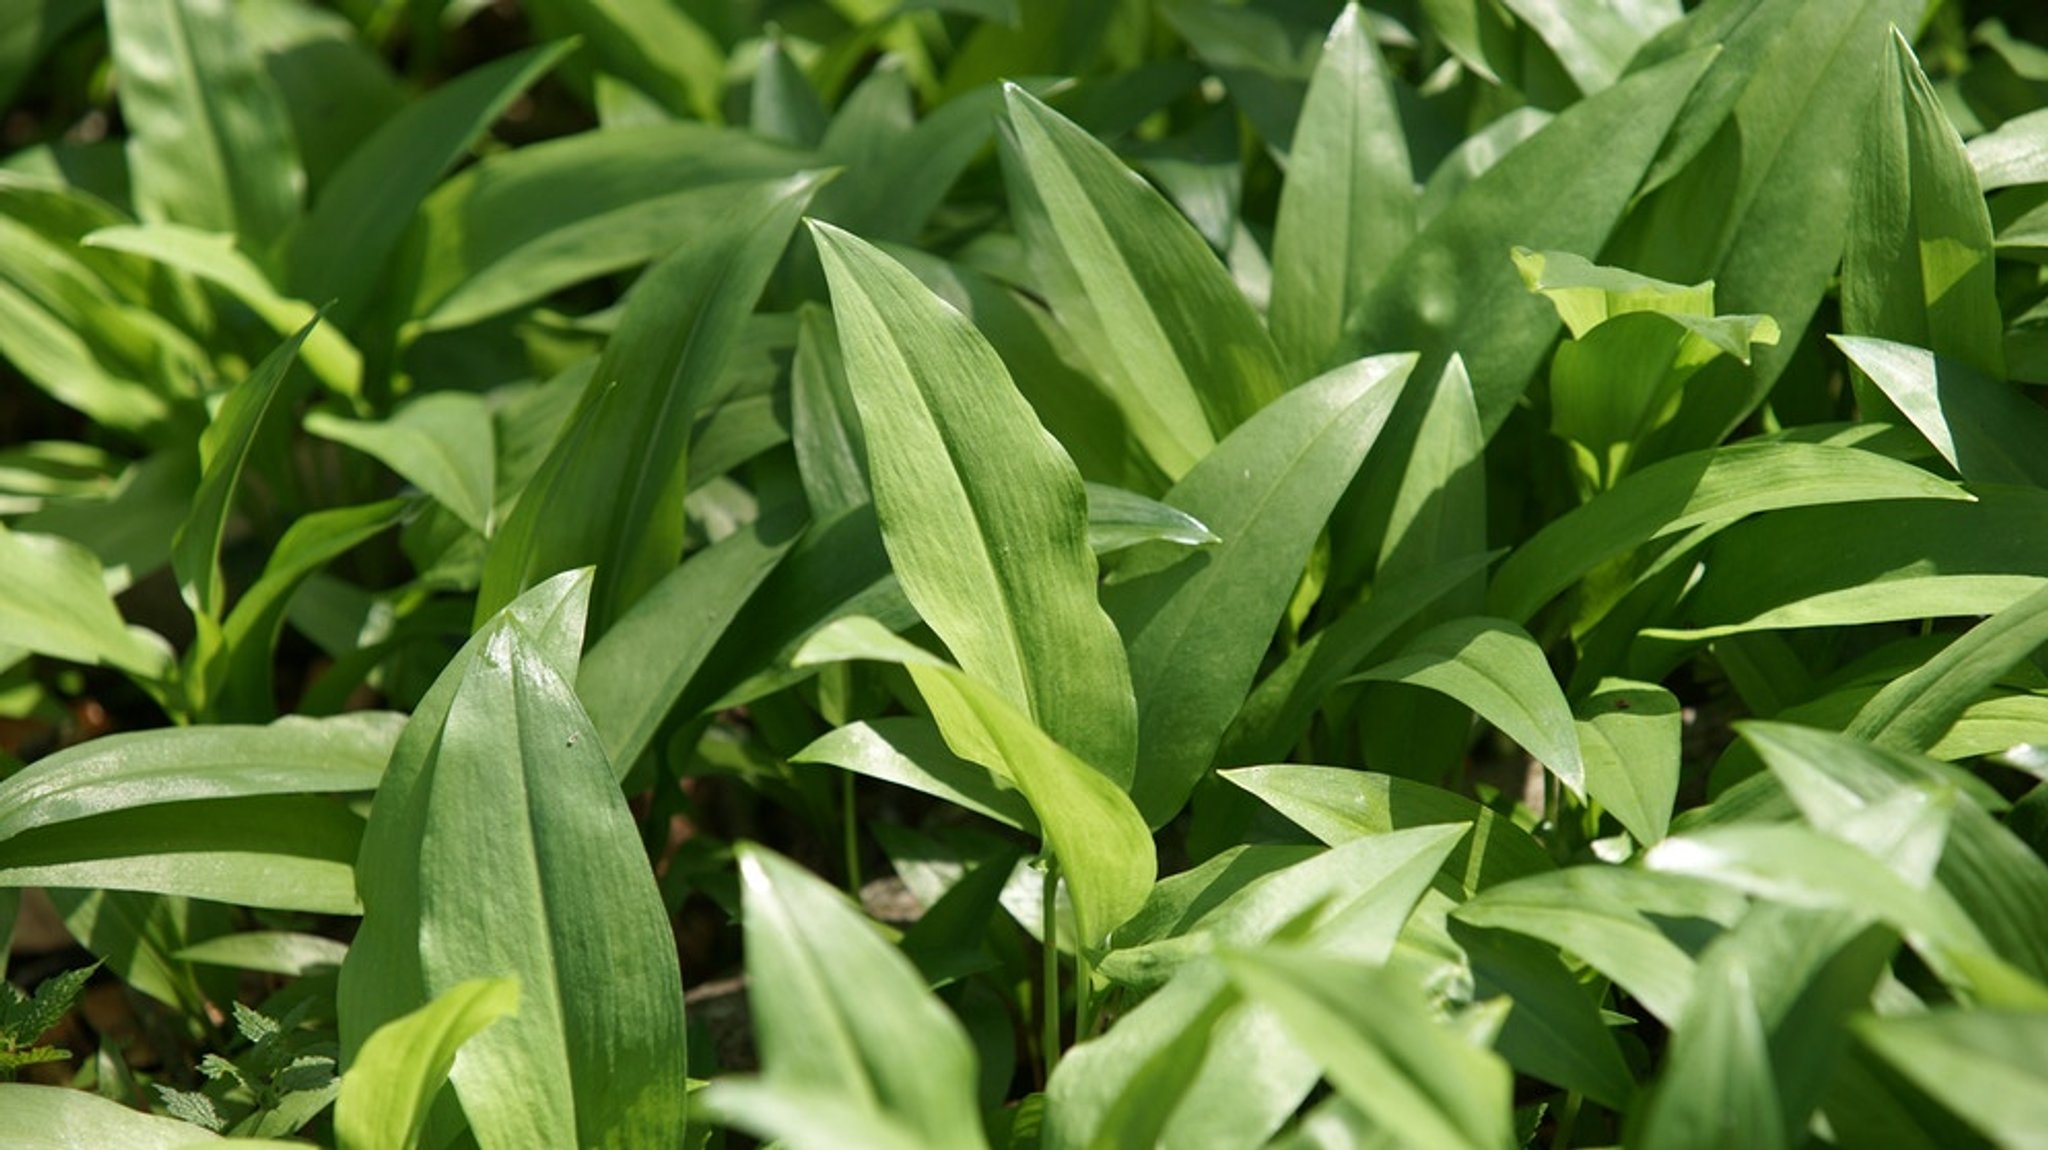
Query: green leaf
x=61 y=1118
x=340 y=247
x=1198 y=631
x=836 y=1007
x=1917 y=266
x=287 y=953
x=1338 y=806
x=1454 y=288
x=1280 y=709
x=1554 y=1030
x=31 y=29
x=1349 y=900
x=1996 y=880
x=224 y=449
x=1637 y=927
x=1104 y=849
x=1988 y=431
x=782 y=104
x=658 y=48
x=984 y=517
x=1704 y=488
x=1495 y=668
x=1915 y=710
x=289 y=852
x=638 y=671
x=1870 y=562
x=1157 y=317
x=2014 y=153
x=1595 y=44
x=1118 y=519
x=831 y=456
x=214 y=258
x=394 y=1076
x=1123 y=1088
x=1347 y=207
x=209 y=144
x=243 y=690
x=499 y=773
x=1717 y=1084
x=1980 y=1064
x=911 y=752
x=187 y=764
x=441 y=443
x=626 y=449
x=23 y=1019
x=802 y=1118
x=1381 y=1048
x=1629 y=736
x=531 y=220
x=54 y=601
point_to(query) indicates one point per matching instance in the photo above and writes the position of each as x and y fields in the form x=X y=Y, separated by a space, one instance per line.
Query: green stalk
x=1049 y=1006
x=1084 y=996
x=849 y=833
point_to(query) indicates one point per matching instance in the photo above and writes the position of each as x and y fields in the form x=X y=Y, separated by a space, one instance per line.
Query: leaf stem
x=1568 y=1117
x=849 y=831
x=1049 y=1007
x=1084 y=996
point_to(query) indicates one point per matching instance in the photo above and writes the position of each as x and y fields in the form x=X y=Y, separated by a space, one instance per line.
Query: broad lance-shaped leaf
x=213 y=257
x=60 y=1118
x=528 y=221
x=500 y=774
x=54 y=601
x=1198 y=630
x=1454 y=289
x=1717 y=486
x=984 y=517
x=386 y=1094
x=1868 y=563
x=1779 y=115
x=224 y=448
x=1347 y=207
x=209 y=143
x=1984 y=427
x=1918 y=264
x=836 y=1008
x=1104 y=849
x=1983 y=1065
x=1382 y=1049
x=440 y=442
x=1157 y=316
x=1495 y=668
x=611 y=491
x=1629 y=735
x=1916 y=709
x=340 y=246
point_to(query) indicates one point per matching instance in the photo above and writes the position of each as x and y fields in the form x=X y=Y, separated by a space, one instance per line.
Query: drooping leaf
x=499 y=772
x=213 y=257
x=626 y=448
x=1984 y=428
x=1198 y=630
x=1978 y=1063
x=282 y=952
x=54 y=600
x=1347 y=207
x=440 y=442
x=1090 y=825
x=984 y=517
x=209 y=145
x=388 y=1088
x=1338 y=805
x=1495 y=668
x=1158 y=318
x=912 y=752
x=836 y=1007
x=1629 y=736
